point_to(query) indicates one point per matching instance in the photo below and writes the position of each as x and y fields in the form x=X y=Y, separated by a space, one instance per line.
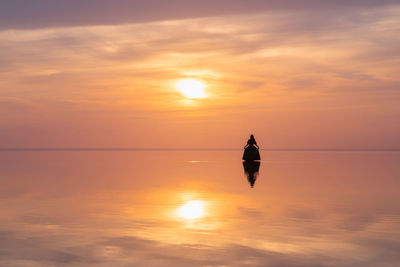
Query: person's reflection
x=251 y=169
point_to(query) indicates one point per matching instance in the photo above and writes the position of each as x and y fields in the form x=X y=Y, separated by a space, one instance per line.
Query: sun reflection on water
x=192 y=210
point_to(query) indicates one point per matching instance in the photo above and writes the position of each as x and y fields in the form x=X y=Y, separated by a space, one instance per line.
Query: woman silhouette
x=251 y=142
x=251 y=150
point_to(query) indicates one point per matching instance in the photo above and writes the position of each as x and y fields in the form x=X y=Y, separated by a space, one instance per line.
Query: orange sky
x=80 y=74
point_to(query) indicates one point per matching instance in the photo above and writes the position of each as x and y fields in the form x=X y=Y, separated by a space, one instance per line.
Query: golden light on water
x=192 y=210
x=191 y=88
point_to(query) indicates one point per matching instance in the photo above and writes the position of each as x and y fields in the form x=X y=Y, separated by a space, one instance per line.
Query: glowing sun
x=191 y=88
x=192 y=210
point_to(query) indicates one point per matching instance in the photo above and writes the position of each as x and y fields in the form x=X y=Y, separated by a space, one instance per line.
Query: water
x=197 y=208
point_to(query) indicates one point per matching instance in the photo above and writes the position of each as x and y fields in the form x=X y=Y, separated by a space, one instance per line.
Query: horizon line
x=186 y=149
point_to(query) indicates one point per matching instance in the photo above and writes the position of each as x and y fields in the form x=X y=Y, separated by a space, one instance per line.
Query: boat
x=251 y=153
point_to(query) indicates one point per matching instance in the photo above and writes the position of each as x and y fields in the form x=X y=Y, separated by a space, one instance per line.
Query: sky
x=296 y=74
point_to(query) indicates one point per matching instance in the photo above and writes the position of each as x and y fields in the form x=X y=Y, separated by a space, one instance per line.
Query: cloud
x=117 y=75
x=47 y=13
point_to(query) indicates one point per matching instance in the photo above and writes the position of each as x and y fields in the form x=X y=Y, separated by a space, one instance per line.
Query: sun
x=191 y=88
x=192 y=210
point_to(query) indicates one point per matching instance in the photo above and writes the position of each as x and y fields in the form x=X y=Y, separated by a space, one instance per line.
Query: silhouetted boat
x=251 y=153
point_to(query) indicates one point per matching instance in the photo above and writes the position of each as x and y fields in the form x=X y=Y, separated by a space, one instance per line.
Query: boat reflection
x=251 y=169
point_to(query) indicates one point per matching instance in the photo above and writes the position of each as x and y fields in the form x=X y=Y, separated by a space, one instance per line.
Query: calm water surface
x=197 y=208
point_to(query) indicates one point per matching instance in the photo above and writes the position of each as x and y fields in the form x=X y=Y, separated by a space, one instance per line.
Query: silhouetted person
x=251 y=142
x=251 y=169
x=251 y=150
